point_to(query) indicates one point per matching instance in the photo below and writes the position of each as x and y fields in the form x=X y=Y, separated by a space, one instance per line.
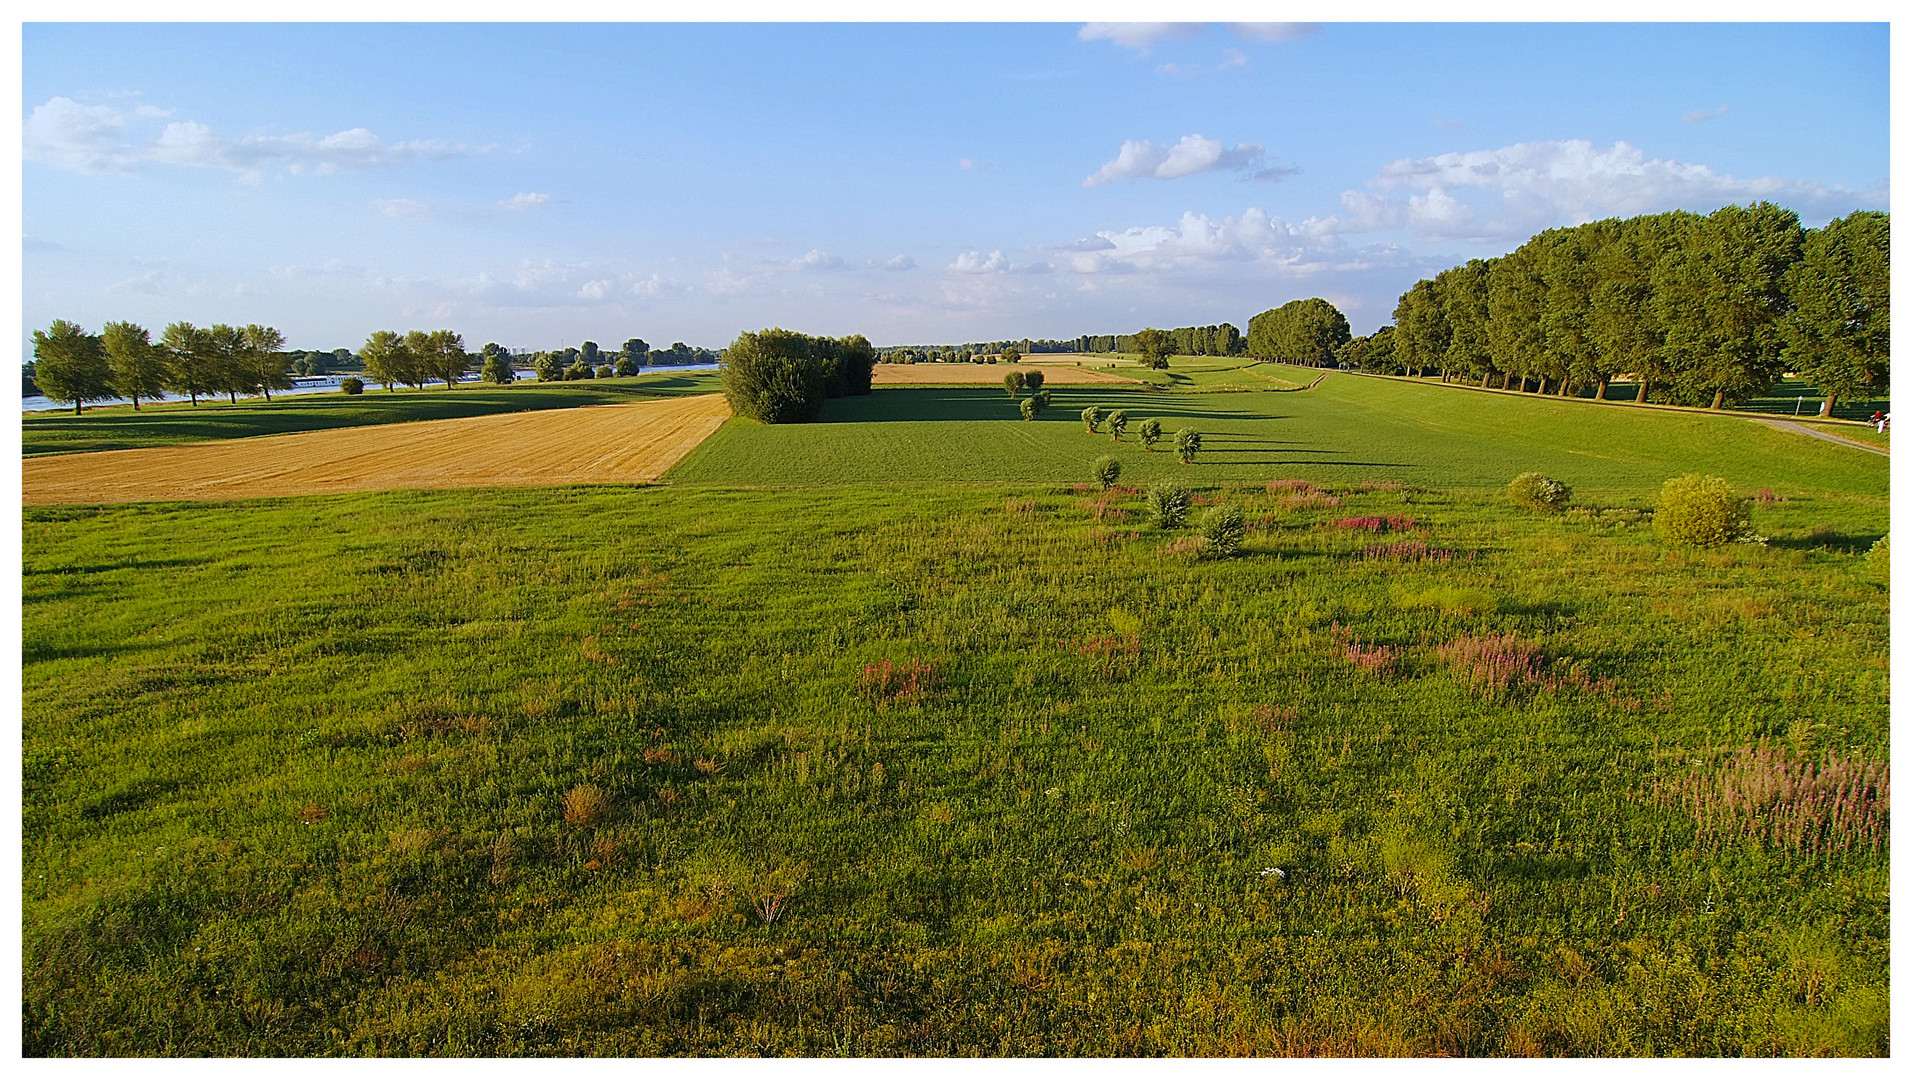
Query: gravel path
x=1801 y=429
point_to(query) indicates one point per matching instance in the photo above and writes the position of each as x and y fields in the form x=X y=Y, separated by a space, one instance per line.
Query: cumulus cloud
x=402 y=208
x=975 y=262
x=76 y=137
x=967 y=164
x=900 y=262
x=1273 y=31
x=1698 y=115
x=1201 y=246
x=1542 y=184
x=1194 y=154
x=816 y=261
x=655 y=285
x=525 y=200
x=595 y=290
x=1139 y=36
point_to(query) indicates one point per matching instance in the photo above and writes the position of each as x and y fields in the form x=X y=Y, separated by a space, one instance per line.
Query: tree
x=1838 y=335
x=1012 y=383
x=232 y=368
x=1032 y=380
x=549 y=368
x=1188 y=443
x=775 y=376
x=445 y=357
x=636 y=351
x=138 y=368
x=1420 y=329
x=497 y=367
x=856 y=364
x=70 y=365
x=1151 y=432
x=263 y=350
x=1155 y=347
x=1012 y=356
x=1092 y=419
x=588 y=353
x=388 y=358
x=192 y=364
x=1721 y=297
x=1463 y=292
x=1118 y=422
x=1303 y=331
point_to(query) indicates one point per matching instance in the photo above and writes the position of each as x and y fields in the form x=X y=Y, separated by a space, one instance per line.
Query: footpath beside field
x=609 y=444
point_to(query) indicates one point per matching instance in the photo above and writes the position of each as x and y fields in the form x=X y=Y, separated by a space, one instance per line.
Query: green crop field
x=167 y=423
x=890 y=735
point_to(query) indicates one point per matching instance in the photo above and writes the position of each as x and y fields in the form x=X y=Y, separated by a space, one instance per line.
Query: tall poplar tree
x=1838 y=334
x=138 y=366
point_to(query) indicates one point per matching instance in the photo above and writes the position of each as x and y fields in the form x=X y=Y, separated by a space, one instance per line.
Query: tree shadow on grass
x=1823 y=540
x=914 y=405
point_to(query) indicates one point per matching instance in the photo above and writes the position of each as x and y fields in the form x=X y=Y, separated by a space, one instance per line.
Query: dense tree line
x=780 y=376
x=589 y=361
x=1300 y=332
x=1698 y=309
x=122 y=360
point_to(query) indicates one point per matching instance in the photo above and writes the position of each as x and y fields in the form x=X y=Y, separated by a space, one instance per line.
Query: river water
x=309 y=384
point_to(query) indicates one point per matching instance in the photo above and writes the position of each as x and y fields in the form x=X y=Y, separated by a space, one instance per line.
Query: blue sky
x=541 y=185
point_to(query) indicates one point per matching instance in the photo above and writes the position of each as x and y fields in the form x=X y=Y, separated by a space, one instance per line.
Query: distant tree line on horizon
x=1698 y=309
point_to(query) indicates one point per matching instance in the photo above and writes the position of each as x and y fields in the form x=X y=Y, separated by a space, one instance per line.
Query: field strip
x=1828 y=436
x=987 y=375
x=602 y=444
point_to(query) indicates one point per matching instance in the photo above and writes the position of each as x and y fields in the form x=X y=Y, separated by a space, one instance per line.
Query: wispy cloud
x=1451 y=125
x=525 y=200
x=900 y=263
x=1697 y=115
x=69 y=135
x=402 y=208
x=817 y=260
x=1140 y=36
x=1193 y=154
x=975 y=262
x=1231 y=58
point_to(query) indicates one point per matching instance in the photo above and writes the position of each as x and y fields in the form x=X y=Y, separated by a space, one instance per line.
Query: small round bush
x=1222 y=530
x=1151 y=432
x=605 y=371
x=352 y=385
x=1092 y=418
x=1013 y=383
x=1032 y=380
x=1188 y=443
x=1107 y=471
x=627 y=367
x=1169 y=503
x=1028 y=407
x=1537 y=492
x=1700 y=511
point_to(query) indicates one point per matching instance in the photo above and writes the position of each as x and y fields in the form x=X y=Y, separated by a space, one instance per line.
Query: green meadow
x=892 y=735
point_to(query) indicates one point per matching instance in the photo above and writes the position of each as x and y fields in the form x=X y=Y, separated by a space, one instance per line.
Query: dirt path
x=1801 y=429
x=601 y=444
x=987 y=375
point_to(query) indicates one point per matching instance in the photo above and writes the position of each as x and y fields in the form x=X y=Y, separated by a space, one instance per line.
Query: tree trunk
x=234 y=395
x=1601 y=395
x=76 y=406
x=1825 y=410
x=1487 y=378
x=135 y=402
x=1640 y=398
x=1543 y=386
x=194 y=394
x=1719 y=399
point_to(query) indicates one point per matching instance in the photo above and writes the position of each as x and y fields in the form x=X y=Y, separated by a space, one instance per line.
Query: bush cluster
x=781 y=377
x=1701 y=511
x=1536 y=492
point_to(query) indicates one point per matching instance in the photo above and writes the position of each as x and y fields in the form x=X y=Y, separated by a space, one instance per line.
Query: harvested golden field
x=987 y=374
x=601 y=444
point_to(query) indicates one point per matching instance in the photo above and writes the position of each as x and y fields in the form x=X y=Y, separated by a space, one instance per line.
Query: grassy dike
x=955 y=768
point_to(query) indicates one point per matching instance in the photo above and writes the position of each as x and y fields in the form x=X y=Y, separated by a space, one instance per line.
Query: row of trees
x=780 y=376
x=1301 y=331
x=1700 y=310
x=1222 y=340
x=122 y=360
x=419 y=356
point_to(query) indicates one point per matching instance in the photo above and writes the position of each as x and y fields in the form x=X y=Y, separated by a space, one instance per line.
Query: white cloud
x=1543 y=184
x=94 y=138
x=525 y=200
x=655 y=285
x=900 y=262
x=595 y=290
x=817 y=261
x=1193 y=154
x=402 y=208
x=967 y=165
x=1273 y=31
x=1698 y=115
x=1136 y=35
x=975 y=262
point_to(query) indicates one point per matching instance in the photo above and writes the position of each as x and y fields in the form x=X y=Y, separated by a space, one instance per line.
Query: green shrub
x=1041 y=398
x=1151 y=432
x=1092 y=419
x=1878 y=558
x=549 y=368
x=497 y=370
x=1701 y=511
x=1536 y=492
x=1188 y=443
x=578 y=370
x=776 y=376
x=1028 y=407
x=605 y=371
x=1118 y=422
x=1222 y=530
x=1032 y=380
x=1013 y=383
x=352 y=384
x=856 y=363
x=1107 y=471
x=1169 y=503
x=627 y=367
x=1012 y=356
